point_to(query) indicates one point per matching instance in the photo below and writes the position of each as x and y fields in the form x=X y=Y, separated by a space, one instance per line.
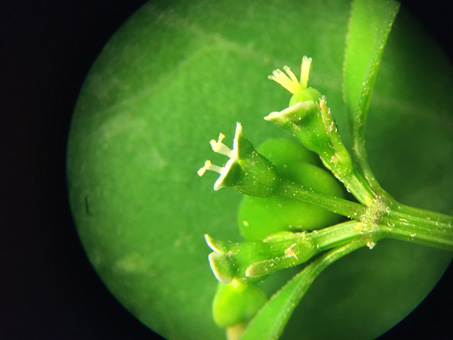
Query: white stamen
x=209 y=166
x=371 y=245
x=289 y=80
x=281 y=78
x=291 y=76
x=221 y=148
x=305 y=72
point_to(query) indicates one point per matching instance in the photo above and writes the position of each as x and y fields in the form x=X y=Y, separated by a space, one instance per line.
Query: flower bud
x=236 y=302
x=311 y=121
x=252 y=261
x=305 y=121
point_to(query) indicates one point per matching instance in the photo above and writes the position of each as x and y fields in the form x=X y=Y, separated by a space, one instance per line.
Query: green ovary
x=260 y=217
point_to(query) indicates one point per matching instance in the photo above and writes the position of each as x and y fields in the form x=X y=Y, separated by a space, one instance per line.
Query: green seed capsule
x=236 y=302
x=284 y=151
x=260 y=217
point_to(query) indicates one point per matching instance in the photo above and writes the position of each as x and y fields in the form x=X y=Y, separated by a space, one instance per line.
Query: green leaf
x=369 y=27
x=273 y=317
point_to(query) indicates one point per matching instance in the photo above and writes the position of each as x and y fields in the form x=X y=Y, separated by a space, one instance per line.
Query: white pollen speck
x=371 y=245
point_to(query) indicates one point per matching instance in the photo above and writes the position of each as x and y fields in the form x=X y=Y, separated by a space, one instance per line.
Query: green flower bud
x=247 y=171
x=305 y=121
x=229 y=261
x=252 y=261
x=236 y=303
x=302 y=117
x=310 y=120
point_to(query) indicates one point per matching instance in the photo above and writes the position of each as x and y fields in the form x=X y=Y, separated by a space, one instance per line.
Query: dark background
x=48 y=289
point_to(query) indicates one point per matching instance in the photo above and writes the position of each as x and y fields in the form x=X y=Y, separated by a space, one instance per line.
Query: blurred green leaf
x=369 y=26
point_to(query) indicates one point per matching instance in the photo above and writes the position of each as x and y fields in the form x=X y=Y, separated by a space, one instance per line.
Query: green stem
x=421 y=236
x=382 y=214
x=427 y=215
x=419 y=226
x=336 y=205
x=361 y=163
x=337 y=235
x=357 y=186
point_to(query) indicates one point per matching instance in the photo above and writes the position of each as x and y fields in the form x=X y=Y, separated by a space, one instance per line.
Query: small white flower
x=247 y=171
x=289 y=80
x=221 y=148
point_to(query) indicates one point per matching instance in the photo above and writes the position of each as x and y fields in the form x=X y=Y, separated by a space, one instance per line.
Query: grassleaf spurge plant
x=294 y=211
x=176 y=74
